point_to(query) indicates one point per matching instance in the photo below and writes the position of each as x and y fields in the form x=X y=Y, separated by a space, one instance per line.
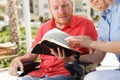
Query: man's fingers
x=53 y=52
x=59 y=52
x=13 y=69
x=13 y=72
x=21 y=67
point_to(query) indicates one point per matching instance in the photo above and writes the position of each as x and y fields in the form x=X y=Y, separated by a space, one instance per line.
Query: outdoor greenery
x=5 y=33
x=5 y=37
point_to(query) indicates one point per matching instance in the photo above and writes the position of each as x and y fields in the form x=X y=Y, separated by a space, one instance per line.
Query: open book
x=54 y=38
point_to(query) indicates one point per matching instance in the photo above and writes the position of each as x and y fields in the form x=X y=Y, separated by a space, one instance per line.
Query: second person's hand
x=79 y=41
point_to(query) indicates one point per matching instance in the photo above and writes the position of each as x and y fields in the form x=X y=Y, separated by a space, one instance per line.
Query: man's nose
x=61 y=10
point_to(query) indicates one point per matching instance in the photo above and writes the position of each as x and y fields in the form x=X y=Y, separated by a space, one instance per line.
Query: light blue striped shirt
x=109 y=24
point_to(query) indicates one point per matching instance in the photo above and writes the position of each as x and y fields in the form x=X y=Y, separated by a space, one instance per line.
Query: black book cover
x=53 y=39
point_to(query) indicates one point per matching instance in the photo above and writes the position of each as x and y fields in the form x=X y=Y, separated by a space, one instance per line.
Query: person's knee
x=92 y=76
x=27 y=77
x=61 y=77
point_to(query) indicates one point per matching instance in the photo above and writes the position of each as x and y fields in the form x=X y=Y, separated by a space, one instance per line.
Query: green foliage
x=22 y=31
x=5 y=37
x=34 y=31
x=1 y=10
x=22 y=49
x=5 y=62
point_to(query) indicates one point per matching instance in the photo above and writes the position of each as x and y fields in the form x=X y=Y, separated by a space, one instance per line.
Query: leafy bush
x=5 y=62
x=5 y=37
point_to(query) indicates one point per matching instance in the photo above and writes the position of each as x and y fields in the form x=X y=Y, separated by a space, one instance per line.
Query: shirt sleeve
x=91 y=31
x=38 y=37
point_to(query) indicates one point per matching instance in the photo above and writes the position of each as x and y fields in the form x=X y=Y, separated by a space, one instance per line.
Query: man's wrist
x=93 y=44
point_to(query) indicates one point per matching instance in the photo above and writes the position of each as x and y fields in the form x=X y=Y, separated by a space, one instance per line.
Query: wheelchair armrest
x=89 y=66
x=74 y=68
x=79 y=69
x=29 y=66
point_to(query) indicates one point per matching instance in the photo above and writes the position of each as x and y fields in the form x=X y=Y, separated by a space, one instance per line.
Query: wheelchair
x=77 y=69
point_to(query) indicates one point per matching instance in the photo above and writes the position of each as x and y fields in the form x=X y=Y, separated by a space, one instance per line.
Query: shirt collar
x=106 y=12
x=70 y=24
x=117 y=1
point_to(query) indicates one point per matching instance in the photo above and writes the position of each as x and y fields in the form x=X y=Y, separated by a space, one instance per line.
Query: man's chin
x=64 y=22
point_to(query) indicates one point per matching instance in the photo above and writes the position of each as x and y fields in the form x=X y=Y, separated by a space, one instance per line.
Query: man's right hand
x=14 y=67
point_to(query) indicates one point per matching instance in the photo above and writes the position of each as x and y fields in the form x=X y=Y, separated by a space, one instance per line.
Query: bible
x=54 y=38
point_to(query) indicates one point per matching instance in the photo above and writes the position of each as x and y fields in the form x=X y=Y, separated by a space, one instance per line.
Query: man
x=50 y=66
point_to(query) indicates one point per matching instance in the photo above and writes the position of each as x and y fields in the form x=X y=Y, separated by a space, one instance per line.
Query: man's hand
x=14 y=66
x=60 y=54
x=79 y=41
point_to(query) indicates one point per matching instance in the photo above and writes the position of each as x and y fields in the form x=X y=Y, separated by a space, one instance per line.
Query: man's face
x=99 y=4
x=61 y=11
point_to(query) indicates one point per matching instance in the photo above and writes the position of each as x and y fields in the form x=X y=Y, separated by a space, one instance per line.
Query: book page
x=56 y=42
x=56 y=35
